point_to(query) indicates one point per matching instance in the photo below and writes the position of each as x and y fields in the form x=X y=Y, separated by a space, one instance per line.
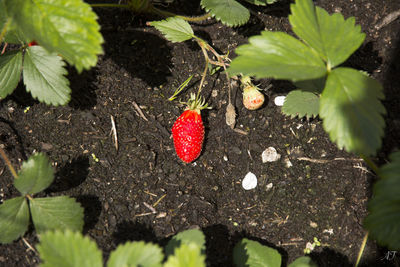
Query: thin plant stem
x=4 y=30
x=110 y=5
x=361 y=251
x=8 y=163
x=370 y=164
x=203 y=76
x=165 y=13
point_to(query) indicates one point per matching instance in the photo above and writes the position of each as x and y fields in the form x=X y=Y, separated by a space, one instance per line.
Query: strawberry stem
x=109 y=5
x=203 y=76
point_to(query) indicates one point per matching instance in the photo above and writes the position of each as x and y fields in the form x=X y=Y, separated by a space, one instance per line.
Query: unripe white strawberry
x=252 y=97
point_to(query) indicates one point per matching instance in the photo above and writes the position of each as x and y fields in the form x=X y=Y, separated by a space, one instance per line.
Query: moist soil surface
x=313 y=190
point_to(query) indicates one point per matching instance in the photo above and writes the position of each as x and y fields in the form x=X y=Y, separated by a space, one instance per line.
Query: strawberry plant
x=347 y=100
x=47 y=213
x=62 y=31
x=186 y=248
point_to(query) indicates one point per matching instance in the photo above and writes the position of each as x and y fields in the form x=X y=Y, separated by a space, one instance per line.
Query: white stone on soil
x=270 y=155
x=279 y=100
x=250 y=181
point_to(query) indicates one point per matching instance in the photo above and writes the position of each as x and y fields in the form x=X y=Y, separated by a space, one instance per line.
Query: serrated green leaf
x=277 y=55
x=187 y=255
x=301 y=103
x=68 y=249
x=384 y=206
x=68 y=27
x=332 y=36
x=186 y=237
x=136 y=254
x=252 y=253
x=14 y=219
x=175 y=29
x=229 y=12
x=56 y=213
x=261 y=2
x=303 y=262
x=10 y=72
x=44 y=76
x=36 y=174
x=352 y=112
x=314 y=85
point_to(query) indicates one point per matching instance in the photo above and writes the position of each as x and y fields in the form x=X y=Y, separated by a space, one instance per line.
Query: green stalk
x=360 y=253
x=8 y=163
x=167 y=14
x=370 y=164
x=109 y=5
x=203 y=76
x=4 y=30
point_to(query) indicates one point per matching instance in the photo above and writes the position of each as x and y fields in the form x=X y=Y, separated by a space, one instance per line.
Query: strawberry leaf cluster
x=65 y=30
x=348 y=101
x=187 y=249
x=50 y=213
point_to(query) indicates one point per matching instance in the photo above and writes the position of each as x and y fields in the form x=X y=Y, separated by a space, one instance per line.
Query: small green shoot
x=60 y=212
x=311 y=246
x=180 y=88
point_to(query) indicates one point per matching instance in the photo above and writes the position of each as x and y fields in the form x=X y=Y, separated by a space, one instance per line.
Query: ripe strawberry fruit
x=33 y=43
x=188 y=131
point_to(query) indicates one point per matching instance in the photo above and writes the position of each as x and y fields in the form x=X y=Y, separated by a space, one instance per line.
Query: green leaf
x=14 y=219
x=186 y=237
x=44 y=76
x=352 y=112
x=252 y=253
x=12 y=34
x=333 y=37
x=36 y=174
x=68 y=249
x=277 y=55
x=175 y=29
x=261 y=2
x=187 y=255
x=56 y=213
x=229 y=12
x=314 y=85
x=68 y=27
x=303 y=262
x=384 y=206
x=136 y=254
x=301 y=103
x=10 y=72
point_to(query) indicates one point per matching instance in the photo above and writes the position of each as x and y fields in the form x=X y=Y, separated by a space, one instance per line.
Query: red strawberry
x=33 y=43
x=188 y=131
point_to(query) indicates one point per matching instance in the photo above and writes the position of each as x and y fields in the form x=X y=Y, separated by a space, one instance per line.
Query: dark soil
x=324 y=197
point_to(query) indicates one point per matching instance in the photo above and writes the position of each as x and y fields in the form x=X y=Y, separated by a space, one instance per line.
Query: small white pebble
x=270 y=155
x=279 y=100
x=225 y=157
x=269 y=186
x=214 y=93
x=249 y=181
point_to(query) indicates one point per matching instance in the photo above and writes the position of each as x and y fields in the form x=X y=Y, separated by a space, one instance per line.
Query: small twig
x=144 y=214
x=239 y=131
x=325 y=160
x=388 y=19
x=159 y=200
x=150 y=207
x=114 y=131
x=29 y=245
x=8 y=163
x=138 y=109
x=149 y=193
